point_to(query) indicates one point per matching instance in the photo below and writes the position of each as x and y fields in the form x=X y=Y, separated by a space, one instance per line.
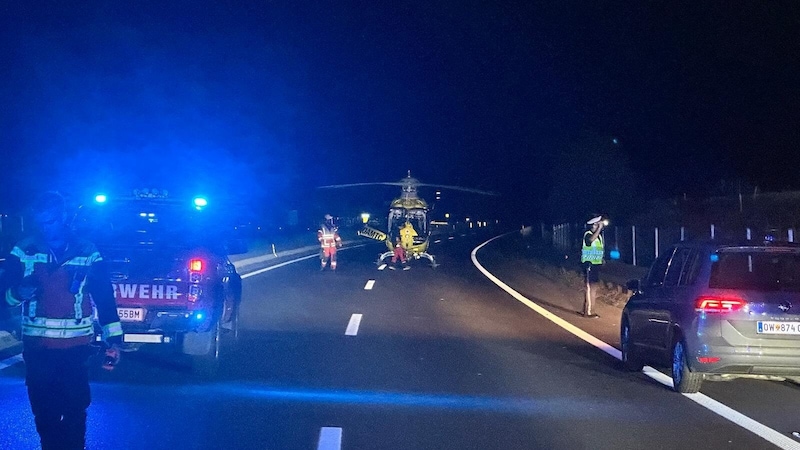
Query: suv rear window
x=149 y=223
x=762 y=270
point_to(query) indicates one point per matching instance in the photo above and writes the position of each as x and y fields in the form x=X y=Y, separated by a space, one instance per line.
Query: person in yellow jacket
x=592 y=252
x=60 y=282
x=407 y=235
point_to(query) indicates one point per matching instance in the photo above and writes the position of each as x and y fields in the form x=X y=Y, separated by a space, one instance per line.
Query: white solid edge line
x=330 y=438
x=8 y=362
x=724 y=411
x=352 y=326
x=369 y=285
x=547 y=314
x=285 y=263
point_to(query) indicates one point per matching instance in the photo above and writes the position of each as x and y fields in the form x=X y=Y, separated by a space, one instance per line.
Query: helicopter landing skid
x=383 y=256
x=427 y=256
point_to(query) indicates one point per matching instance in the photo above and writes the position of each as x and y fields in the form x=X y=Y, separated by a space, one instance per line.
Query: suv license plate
x=764 y=327
x=131 y=314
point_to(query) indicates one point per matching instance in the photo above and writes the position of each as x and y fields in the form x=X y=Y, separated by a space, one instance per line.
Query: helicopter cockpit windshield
x=417 y=217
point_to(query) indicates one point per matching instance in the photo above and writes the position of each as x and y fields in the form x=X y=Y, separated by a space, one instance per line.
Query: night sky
x=267 y=100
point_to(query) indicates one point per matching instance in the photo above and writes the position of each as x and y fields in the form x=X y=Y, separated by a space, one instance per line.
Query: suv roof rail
x=737 y=243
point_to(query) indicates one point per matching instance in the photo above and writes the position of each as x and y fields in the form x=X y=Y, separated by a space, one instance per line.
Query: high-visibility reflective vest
x=61 y=314
x=328 y=237
x=592 y=253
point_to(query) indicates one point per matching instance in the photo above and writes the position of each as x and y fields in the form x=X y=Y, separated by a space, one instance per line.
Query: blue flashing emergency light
x=100 y=198
x=614 y=254
x=198 y=316
x=714 y=257
x=200 y=202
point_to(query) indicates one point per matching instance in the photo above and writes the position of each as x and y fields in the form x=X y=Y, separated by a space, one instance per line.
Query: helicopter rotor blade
x=459 y=188
x=384 y=183
x=411 y=183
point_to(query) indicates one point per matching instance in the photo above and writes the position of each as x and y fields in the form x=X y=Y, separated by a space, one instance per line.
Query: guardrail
x=641 y=245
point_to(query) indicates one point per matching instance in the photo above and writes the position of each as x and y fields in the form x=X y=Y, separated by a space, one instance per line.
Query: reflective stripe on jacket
x=328 y=237
x=57 y=328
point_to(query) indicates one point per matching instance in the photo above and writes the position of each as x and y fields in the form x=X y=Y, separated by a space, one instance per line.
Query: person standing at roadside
x=60 y=281
x=592 y=252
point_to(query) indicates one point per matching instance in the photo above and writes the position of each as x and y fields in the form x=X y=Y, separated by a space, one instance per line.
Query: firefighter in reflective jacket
x=592 y=252
x=60 y=281
x=329 y=241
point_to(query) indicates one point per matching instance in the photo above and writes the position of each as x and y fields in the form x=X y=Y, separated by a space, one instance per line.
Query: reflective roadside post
x=656 y=241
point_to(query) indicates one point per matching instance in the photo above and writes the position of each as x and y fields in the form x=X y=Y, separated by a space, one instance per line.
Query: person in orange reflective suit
x=329 y=241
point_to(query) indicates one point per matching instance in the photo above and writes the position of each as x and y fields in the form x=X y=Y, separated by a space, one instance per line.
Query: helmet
x=594 y=220
x=328 y=217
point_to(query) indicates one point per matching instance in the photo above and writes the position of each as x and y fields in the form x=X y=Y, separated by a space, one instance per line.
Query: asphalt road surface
x=443 y=358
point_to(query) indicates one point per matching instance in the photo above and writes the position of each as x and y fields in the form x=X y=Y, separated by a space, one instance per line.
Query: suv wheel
x=630 y=362
x=683 y=380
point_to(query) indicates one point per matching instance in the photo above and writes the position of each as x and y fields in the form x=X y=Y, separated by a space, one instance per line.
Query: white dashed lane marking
x=330 y=438
x=352 y=327
x=382 y=266
x=369 y=285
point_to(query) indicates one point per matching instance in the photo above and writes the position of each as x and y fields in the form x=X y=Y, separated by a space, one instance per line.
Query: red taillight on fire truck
x=712 y=304
x=196 y=265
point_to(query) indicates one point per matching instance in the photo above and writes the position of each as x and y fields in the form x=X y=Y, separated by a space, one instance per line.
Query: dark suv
x=712 y=310
x=168 y=259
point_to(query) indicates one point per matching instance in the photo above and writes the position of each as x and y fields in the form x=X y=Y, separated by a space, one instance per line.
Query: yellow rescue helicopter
x=407 y=220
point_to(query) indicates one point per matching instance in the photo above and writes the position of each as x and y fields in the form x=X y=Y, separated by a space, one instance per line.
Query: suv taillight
x=712 y=304
x=196 y=265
